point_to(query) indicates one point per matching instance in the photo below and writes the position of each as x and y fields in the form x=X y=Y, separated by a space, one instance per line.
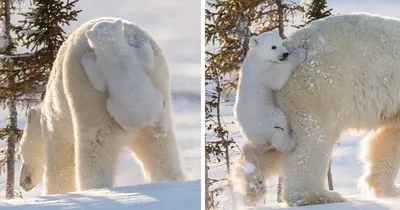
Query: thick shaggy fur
x=267 y=67
x=350 y=80
x=381 y=154
x=82 y=141
x=118 y=69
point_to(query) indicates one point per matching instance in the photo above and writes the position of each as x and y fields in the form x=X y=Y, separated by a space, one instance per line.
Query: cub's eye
x=273 y=47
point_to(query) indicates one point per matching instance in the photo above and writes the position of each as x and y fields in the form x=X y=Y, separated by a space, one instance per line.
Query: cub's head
x=269 y=46
x=32 y=152
x=105 y=32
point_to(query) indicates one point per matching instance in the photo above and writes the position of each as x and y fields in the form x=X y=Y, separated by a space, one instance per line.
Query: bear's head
x=269 y=46
x=105 y=33
x=32 y=152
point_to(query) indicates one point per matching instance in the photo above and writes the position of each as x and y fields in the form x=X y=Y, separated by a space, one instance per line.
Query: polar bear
x=350 y=80
x=81 y=140
x=119 y=69
x=267 y=67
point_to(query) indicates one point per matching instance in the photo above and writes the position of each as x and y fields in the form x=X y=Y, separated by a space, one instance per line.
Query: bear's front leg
x=305 y=168
x=59 y=173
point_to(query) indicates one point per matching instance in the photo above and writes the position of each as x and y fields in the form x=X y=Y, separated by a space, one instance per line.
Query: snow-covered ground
x=355 y=203
x=346 y=167
x=177 y=31
x=177 y=196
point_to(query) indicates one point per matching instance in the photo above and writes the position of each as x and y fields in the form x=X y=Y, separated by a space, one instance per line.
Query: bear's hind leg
x=97 y=149
x=158 y=157
x=251 y=168
x=381 y=155
x=161 y=125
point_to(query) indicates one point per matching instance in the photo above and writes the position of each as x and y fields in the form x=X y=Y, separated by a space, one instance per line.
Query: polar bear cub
x=267 y=67
x=120 y=69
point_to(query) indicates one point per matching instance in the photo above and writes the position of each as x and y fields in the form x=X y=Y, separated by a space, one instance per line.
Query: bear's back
x=351 y=59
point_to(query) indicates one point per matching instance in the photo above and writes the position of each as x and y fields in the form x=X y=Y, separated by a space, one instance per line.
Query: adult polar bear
x=82 y=142
x=350 y=80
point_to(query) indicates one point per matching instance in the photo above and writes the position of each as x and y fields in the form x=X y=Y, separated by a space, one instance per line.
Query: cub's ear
x=89 y=34
x=119 y=24
x=31 y=115
x=253 y=41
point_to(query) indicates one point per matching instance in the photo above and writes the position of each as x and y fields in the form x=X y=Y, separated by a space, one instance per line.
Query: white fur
x=81 y=140
x=264 y=70
x=119 y=69
x=351 y=80
x=381 y=154
x=32 y=151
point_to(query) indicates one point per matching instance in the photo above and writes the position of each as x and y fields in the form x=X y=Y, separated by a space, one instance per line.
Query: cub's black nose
x=285 y=55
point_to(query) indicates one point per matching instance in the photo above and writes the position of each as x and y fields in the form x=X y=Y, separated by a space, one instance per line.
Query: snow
x=357 y=202
x=177 y=196
x=306 y=4
x=249 y=168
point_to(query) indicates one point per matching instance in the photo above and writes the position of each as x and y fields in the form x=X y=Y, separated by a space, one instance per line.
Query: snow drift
x=357 y=202
x=174 y=195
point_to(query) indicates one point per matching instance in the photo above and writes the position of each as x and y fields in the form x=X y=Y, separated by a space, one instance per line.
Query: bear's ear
x=253 y=41
x=119 y=24
x=31 y=114
x=89 y=34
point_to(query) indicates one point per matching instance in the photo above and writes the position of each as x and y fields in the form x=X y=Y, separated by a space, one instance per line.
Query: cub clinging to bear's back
x=267 y=67
x=120 y=70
